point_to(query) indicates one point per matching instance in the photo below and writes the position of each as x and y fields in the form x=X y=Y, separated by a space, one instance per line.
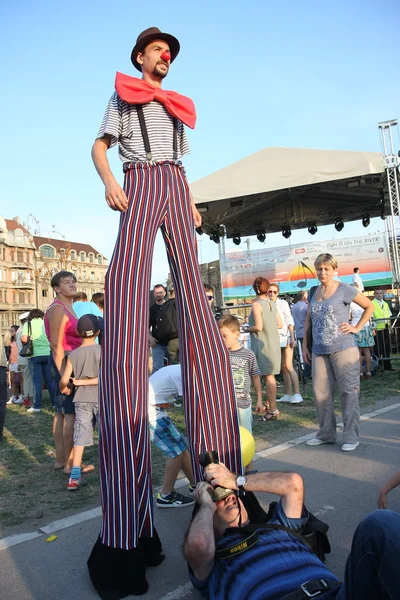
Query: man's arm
x=199 y=544
x=115 y=195
x=389 y=485
x=289 y=486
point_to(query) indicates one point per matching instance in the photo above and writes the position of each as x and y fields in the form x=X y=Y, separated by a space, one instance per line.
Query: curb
x=61 y=524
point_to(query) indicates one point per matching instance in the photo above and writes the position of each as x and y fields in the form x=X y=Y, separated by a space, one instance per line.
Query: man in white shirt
x=357 y=279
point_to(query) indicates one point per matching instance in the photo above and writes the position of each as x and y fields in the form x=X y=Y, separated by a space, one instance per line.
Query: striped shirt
x=244 y=366
x=121 y=122
x=276 y=566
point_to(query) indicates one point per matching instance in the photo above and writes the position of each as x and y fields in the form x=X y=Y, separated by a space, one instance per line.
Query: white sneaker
x=296 y=399
x=285 y=398
x=10 y=401
x=18 y=400
x=350 y=447
x=315 y=442
x=33 y=410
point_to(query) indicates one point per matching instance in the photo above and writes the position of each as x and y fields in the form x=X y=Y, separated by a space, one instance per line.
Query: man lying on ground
x=226 y=561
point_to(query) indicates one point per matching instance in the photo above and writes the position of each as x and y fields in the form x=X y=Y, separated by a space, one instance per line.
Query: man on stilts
x=148 y=122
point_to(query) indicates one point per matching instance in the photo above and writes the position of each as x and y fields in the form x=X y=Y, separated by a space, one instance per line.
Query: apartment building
x=27 y=264
x=17 y=265
x=53 y=255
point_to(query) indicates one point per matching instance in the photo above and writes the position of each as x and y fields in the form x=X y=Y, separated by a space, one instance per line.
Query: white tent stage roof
x=291 y=187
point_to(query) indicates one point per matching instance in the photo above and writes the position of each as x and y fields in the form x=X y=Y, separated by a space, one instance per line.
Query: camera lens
x=208 y=458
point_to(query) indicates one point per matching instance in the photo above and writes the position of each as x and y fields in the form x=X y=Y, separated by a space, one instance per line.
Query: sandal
x=271 y=416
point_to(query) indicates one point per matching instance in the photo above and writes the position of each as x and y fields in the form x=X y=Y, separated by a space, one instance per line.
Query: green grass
x=32 y=492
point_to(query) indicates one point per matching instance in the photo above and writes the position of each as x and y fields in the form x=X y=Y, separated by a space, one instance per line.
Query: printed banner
x=293 y=266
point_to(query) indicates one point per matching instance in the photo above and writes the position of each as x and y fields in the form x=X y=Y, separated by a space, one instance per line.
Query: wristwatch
x=241 y=482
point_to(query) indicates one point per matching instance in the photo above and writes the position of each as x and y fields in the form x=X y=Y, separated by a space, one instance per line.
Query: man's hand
x=152 y=341
x=220 y=475
x=202 y=494
x=115 y=196
x=382 y=500
x=196 y=216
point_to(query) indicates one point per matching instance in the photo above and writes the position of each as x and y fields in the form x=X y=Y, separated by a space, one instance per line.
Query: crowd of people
x=184 y=334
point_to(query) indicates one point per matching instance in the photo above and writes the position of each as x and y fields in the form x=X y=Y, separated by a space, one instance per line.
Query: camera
x=208 y=458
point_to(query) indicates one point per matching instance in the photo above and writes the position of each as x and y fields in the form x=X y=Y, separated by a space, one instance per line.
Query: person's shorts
x=86 y=415
x=64 y=404
x=14 y=368
x=167 y=438
x=246 y=418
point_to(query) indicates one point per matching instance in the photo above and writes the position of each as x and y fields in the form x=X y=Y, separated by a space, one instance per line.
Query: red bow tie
x=138 y=91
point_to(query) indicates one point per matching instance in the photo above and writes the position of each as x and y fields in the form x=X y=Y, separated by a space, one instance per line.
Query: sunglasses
x=210 y=297
x=272 y=292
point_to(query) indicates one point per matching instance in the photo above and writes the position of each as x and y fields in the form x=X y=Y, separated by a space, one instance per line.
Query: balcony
x=22 y=265
x=5 y=305
x=23 y=285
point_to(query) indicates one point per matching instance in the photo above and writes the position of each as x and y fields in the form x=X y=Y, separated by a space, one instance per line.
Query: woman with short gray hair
x=335 y=356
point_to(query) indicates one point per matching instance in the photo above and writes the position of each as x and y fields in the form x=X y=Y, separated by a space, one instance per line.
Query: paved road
x=340 y=487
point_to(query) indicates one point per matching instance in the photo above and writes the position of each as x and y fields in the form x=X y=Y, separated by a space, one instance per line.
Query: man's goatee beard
x=160 y=74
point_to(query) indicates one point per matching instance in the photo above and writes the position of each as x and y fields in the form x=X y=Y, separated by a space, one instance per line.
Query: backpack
x=166 y=327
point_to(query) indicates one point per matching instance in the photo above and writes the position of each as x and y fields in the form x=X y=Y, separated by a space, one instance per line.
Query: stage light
x=366 y=221
x=286 y=232
x=236 y=240
x=339 y=224
x=214 y=237
x=312 y=228
x=199 y=230
x=261 y=236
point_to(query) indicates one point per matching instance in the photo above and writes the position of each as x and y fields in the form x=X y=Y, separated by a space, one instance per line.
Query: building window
x=73 y=255
x=12 y=256
x=47 y=251
x=100 y=259
x=20 y=256
x=44 y=293
x=82 y=256
x=21 y=297
x=91 y=258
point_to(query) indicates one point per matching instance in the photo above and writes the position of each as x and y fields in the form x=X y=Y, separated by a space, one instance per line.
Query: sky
x=292 y=74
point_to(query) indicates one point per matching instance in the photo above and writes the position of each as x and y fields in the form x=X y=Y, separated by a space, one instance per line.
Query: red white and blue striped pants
x=158 y=197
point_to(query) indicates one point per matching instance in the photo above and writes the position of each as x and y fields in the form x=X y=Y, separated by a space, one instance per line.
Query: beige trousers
x=343 y=368
x=27 y=379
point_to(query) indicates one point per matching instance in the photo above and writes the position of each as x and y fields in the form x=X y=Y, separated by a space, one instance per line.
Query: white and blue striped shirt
x=121 y=122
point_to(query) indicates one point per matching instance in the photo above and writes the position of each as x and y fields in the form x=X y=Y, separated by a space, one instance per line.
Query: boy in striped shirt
x=245 y=370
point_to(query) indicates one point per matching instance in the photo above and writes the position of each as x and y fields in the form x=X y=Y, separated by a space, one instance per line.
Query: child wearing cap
x=245 y=370
x=84 y=363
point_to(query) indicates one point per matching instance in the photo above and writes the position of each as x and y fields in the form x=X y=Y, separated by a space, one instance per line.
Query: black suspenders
x=145 y=136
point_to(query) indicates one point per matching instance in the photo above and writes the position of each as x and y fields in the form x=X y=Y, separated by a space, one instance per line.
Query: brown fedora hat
x=147 y=36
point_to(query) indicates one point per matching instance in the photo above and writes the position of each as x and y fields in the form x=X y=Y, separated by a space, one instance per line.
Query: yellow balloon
x=247 y=444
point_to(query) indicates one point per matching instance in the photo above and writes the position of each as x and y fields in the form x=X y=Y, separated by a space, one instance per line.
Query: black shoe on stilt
x=117 y=573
